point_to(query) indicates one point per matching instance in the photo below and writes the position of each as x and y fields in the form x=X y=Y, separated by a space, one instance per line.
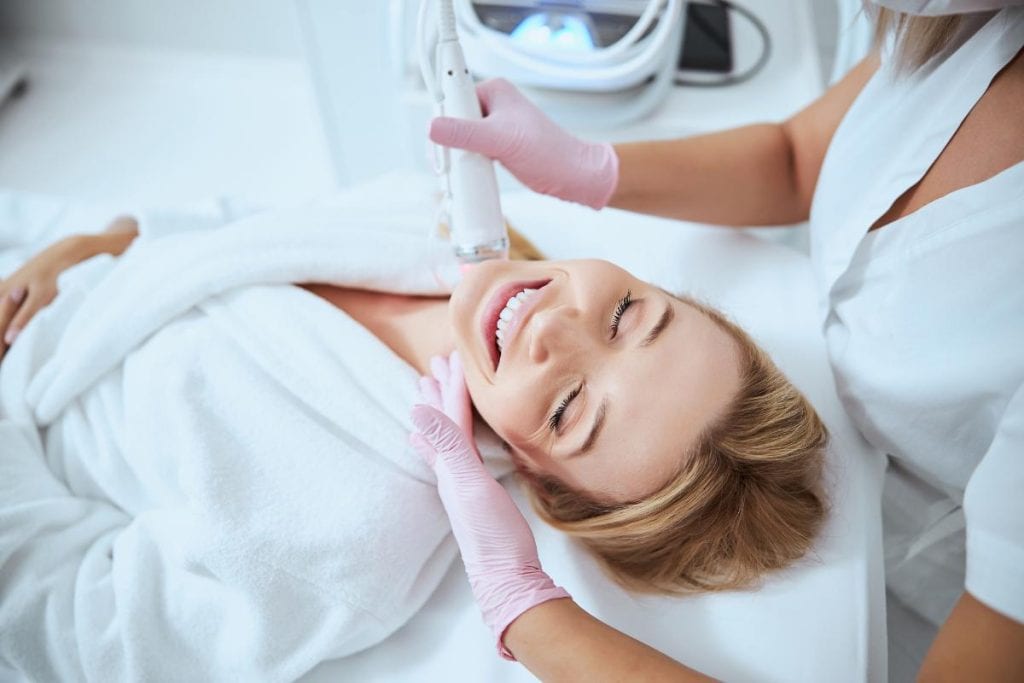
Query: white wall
x=248 y=27
x=161 y=102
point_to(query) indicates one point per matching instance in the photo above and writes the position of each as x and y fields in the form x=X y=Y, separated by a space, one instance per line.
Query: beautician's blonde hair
x=918 y=38
x=747 y=500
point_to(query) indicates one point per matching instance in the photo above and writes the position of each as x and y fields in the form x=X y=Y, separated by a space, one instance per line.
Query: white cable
x=602 y=69
x=424 y=44
x=604 y=54
x=446 y=21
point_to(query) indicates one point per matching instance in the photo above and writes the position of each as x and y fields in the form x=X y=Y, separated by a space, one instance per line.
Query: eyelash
x=556 y=417
x=624 y=303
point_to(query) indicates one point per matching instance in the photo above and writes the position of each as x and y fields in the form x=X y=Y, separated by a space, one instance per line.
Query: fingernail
x=17 y=294
x=12 y=334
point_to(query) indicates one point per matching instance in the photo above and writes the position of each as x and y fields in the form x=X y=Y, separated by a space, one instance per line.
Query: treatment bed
x=823 y=620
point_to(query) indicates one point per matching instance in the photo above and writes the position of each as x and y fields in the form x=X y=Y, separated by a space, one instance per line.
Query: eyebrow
x=660 y=326
x=595 y=431
x=602 y=411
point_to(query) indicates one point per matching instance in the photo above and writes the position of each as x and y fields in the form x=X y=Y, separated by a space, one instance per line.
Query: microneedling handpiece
x=477 y=225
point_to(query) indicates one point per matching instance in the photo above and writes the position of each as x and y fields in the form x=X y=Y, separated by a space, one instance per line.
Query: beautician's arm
x=530 y=617
x=558 y=641
x=975 y=644
x=755 y=175
x=33 y=286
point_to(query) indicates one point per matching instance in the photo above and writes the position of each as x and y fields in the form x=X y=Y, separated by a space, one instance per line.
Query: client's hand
x=497 y=545
x=543 y=156
x=33 y=286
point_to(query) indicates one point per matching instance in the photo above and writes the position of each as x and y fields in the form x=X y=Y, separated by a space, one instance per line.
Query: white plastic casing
x=477 y=225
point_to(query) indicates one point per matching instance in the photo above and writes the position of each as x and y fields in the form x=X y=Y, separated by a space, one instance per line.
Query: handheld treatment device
x=475 y=220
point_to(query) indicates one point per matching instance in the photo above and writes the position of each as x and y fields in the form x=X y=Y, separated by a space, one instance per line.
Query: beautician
x=910 y=172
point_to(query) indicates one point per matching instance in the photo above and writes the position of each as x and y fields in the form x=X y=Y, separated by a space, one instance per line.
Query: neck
x=415 y=328
x=421 y=332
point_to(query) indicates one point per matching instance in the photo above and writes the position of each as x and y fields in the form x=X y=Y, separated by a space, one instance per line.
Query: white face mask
x=937 y=7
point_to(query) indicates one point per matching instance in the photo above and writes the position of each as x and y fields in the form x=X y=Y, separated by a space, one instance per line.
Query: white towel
x=204 y=471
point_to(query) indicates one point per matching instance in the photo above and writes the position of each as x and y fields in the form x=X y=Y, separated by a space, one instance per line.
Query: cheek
x=503 y=412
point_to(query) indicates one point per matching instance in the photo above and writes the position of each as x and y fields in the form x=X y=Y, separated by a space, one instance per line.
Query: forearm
x=558 y=641
x=756 y=175
x=743 y=176
x=976 y=643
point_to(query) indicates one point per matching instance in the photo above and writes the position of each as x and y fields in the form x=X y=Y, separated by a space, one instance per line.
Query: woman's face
x=601 y=380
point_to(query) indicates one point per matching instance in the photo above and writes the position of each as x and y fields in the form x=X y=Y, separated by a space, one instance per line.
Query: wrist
x=113 y=243
x=608 y=175
x=77 y=248
x=511 y=638
x=504 y=601
x=598 y=183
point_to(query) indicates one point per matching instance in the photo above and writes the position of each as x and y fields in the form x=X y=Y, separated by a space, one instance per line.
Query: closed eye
x=623 y=305
x=555 y=420
x=556 y=417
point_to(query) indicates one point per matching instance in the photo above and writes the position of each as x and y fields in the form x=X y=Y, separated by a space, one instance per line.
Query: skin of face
x=653 y=397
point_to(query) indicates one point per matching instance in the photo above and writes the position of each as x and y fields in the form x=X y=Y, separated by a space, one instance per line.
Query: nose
x=553 y=332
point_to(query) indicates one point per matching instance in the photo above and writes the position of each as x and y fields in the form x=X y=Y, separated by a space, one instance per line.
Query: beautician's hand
x=33 y=286
x=543 y=156
x=497 y=545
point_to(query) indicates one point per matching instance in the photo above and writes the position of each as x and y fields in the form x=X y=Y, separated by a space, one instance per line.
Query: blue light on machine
x=554 y=29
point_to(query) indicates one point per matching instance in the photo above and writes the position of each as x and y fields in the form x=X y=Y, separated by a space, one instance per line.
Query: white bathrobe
x=204 y=470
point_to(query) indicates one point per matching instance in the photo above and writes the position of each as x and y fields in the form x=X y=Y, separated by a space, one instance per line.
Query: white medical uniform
x=925 y=324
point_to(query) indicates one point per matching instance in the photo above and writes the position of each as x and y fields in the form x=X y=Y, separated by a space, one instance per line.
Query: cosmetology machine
x=590 y=63
x=620 y=54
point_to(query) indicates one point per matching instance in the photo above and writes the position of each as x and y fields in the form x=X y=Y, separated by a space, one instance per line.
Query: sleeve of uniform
x=994 y=509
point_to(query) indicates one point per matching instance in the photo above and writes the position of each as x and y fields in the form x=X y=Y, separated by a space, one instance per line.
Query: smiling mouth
x=501 y=317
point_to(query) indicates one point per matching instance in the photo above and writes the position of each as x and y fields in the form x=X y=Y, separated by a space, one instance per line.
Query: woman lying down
x=207 y=472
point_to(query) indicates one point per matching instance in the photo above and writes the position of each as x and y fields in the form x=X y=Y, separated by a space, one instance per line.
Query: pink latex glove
x=543 y=156
x=496 y=543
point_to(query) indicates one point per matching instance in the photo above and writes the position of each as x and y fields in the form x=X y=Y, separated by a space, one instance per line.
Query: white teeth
x=507 y=313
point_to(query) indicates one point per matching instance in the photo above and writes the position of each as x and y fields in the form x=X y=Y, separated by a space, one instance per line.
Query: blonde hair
x=918 y=38
x=747 y=500
x=520 y=248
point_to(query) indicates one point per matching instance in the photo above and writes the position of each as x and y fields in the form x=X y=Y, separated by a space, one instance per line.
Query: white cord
x=425 y=40
x=424 y=43
x=603 y=67
x=601 y=55
x=620 y=65
x=446 y=20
